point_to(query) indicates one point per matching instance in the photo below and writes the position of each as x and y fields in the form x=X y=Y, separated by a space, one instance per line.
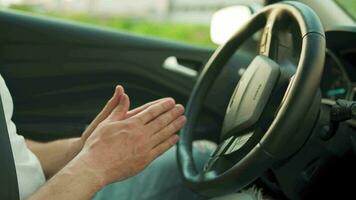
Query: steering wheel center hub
x=250 y=96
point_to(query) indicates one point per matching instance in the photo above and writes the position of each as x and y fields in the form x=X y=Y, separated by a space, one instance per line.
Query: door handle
x=171 y=63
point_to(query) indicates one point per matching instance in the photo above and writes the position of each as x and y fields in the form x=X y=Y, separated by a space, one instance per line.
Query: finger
x=108 y=108
x=155 y=110
x=143 y=107
x=166 y=118
x=163 y=147
x=121 y=109
x=111 y=104
x=168 y=131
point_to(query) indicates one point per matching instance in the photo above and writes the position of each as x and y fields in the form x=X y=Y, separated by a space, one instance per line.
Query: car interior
x=269 y=97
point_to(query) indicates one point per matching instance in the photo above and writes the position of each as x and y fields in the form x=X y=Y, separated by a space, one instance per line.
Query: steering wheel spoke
x=223 y=147
x=219 y=151
x=228 y=147
x=238 y=143
x=267 y=33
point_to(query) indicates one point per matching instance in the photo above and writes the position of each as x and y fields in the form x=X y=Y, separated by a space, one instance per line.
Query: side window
x=178 y=20
x=349 y=6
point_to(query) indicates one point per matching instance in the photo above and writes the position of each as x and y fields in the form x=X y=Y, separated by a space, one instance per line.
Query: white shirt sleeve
x=30 y=175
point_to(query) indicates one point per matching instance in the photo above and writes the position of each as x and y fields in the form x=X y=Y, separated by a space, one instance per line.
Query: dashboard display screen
x=335 y=83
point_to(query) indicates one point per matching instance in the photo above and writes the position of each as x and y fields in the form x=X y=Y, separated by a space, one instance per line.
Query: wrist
x=77 y=167
x=75 y=145
x=87 y=161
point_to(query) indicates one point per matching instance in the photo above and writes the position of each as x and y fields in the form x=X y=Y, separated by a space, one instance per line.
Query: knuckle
x=166 y=133
x=161 y=122
x=130 y=124
x=146 y=105
x=165 y=105
x=157 y=140
x=175 y=126
x=172 y=113
x=139 y=120
x=104 y=127
x=177 y=111
x=151 y=112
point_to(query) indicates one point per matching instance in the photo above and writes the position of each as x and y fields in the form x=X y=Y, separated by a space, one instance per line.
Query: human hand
x=108 y=109
x=118 y=149
x=105 y=112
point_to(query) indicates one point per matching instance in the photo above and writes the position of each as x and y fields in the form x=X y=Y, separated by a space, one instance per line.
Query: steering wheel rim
x=280 y=140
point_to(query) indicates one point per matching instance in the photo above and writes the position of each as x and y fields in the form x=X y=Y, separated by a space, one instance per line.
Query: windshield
x=349 y=6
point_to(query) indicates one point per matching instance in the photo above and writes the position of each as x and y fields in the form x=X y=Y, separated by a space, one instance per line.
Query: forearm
x=74 y=181
x=55 y=155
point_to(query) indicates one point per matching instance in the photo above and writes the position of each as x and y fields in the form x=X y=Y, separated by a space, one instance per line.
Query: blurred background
x=179 y=20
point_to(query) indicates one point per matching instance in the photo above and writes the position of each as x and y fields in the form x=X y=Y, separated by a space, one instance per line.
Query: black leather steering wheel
x=272 y=109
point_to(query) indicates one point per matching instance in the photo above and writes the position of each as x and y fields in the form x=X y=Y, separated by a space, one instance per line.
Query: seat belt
x=8 y=179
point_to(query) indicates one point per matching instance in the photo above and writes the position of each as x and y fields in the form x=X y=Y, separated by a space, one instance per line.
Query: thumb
x=121 y=109
x=111 y=104
x=109 y=107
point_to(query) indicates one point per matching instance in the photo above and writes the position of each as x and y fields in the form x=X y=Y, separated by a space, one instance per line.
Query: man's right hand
x=120 y=145
x=118 y=149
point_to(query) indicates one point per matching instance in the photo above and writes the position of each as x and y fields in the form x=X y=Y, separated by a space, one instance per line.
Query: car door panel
x=61 y=74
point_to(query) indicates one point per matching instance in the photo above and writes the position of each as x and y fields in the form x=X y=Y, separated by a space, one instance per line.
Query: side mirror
x=227 y=21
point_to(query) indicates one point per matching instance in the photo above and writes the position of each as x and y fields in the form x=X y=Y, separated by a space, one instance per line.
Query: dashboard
x=350 y=58
x=336 y=82
x=339 y=76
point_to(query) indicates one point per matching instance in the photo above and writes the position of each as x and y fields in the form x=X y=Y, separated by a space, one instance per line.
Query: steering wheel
x=272 y=109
